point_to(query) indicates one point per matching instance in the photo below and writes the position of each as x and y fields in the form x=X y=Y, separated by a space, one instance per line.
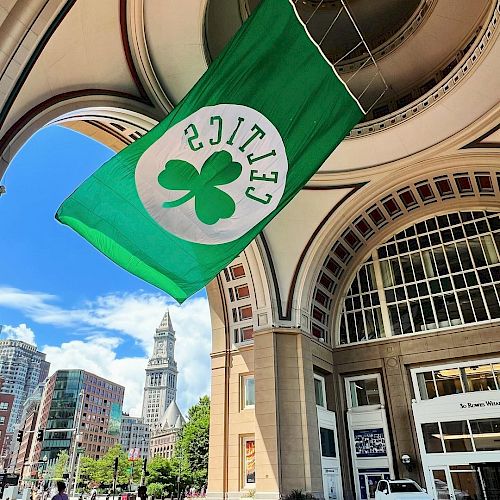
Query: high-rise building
x=161 y=374
x=6 y=402
x=134 y=434
x=27 y=428
x=82 y=400
x=22 y=367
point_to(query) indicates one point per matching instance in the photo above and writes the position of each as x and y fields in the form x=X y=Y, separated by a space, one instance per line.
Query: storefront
x=457 y=418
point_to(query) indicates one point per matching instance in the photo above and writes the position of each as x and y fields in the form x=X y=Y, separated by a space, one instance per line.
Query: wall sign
x=370 y=443
x=479 y=404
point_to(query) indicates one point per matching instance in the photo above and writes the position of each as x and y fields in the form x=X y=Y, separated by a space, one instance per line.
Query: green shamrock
x=211 y=204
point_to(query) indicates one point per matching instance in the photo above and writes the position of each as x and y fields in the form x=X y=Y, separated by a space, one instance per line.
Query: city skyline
x=52 y=298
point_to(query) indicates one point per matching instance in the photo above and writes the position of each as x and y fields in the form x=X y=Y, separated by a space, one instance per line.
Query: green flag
x=179 y=204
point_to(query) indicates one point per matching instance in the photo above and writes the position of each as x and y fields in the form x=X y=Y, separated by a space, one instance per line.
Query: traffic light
x=20 y=436
x=115 y=465
x=39 y=436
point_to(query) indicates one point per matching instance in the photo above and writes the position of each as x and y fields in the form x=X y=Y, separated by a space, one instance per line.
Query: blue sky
x=79 y=307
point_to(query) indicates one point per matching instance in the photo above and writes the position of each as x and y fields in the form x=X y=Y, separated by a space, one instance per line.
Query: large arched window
x=439 y=273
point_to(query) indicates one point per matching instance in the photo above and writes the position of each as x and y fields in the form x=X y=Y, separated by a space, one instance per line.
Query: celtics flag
x=179 y=204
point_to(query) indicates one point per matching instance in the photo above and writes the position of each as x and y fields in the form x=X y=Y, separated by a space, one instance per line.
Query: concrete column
x=287 y=439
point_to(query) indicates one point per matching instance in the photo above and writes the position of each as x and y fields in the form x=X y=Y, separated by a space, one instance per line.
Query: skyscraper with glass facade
x=22 y=367
x=79 y=399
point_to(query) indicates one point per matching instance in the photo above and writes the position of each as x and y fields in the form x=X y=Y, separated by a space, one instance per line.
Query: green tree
x=156 y=490
x=161 y=471
x=192 y=446
x=102 y=471
x=88 y=467
x=60 y=465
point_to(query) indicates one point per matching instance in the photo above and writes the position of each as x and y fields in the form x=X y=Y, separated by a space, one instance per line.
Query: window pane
x=486 y=434
x=467 y=484
x=440 y=484
x=477 y=252
x=393 y=314
x=489 y=248
x=448 y=382
x=327 y=442
x=478 y=305
x=386 y=273
x=249 y=391
x=405 y=318
x=456 y=436
x=417 y=266
x=416 y=312
x=465 y=307
x=452 y=254
x=396 y=272
x=463 y=252
x=479 y=378
x=364 y=392
x=451 y=305
x=318 y=392
x=426 y=385
x=432 y=438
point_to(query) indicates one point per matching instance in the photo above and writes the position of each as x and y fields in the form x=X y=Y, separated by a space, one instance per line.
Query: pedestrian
x=93 y=494
x=61 y=488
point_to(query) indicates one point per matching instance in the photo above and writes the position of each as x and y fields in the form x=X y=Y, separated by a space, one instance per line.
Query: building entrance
x=467 y=482
x=457 y=482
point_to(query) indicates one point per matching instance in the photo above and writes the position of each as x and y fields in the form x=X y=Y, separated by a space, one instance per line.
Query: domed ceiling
x=405 y=38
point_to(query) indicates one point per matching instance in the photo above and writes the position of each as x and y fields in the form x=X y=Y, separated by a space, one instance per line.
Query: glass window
x=248 y=391
x=448 y=381
x=404 y=488
x=479 y=378
x=248 y=461
x=327 y=442
x=452 y=278
x=456 y=436
x=466 y=485
x=426 y=385
x=364 y=392
x=432 y=438
x=486 y=434
x=319 y=391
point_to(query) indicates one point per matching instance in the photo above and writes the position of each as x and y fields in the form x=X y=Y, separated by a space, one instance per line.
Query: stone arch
x=381 y=209
x=79 y=107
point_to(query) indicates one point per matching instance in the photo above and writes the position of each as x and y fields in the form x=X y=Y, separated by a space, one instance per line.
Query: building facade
x=166 y=433
x=160 y=387
x=22 y=367
x=29 y=429
x=134 y=435
x=360 y=328
x=78 y=399
x=6 y=403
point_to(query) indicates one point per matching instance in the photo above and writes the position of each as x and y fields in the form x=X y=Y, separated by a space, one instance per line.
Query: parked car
x=400 y=489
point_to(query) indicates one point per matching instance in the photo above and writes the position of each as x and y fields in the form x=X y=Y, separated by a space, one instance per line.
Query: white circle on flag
x=219 y=200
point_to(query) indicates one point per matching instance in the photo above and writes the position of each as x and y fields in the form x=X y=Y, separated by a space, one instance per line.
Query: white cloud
x=20 y=332
x=136 y=316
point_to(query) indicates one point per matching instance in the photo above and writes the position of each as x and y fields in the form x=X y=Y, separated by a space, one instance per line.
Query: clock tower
x=161 y=374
